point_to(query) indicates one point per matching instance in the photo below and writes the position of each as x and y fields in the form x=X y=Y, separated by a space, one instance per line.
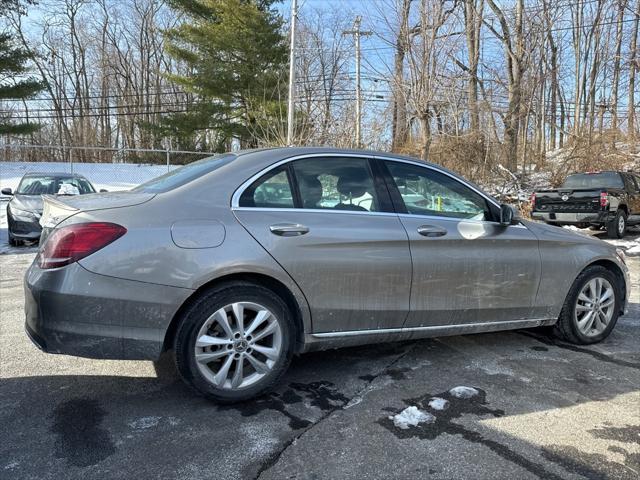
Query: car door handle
x=431 y=231
x=288 y=229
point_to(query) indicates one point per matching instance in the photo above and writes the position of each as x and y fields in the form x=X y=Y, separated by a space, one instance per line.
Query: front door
x=330 y=226
x=467 y=268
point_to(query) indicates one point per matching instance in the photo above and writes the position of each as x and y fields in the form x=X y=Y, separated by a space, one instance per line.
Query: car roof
x=268 y=156
x=262 y=158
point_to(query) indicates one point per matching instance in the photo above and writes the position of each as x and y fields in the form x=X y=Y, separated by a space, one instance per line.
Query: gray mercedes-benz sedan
x=25 y=207
x=239 y=261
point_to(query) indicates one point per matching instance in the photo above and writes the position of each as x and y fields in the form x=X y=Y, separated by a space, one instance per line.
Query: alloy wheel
x=238 y=345
x=594 y=307
x=621 y=225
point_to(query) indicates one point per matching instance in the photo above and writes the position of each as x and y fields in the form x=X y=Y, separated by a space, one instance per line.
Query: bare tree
x=429 y=48
x=399 y=119
x=634 y=67
x=512 y=38
x=473 y=14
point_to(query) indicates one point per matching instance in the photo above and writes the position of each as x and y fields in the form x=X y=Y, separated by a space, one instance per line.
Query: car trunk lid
x=57 y=209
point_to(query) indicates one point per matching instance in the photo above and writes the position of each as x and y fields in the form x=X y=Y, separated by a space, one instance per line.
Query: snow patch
x=438 y=403
x=261 y=440
x=145 y=422
x=463 y=392
x=411 y=417
x=11 y=465
x=630 y=246
x=491 y=368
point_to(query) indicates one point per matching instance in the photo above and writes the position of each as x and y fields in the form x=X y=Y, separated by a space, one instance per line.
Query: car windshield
x=594 y=180
x=183 y=175
x=52 y=185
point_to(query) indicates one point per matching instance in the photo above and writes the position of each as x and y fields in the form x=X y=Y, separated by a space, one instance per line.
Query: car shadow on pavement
x=116 y=426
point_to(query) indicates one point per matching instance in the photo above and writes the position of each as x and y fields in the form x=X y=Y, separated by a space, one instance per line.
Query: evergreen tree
x=14 y=84
x=235 y=53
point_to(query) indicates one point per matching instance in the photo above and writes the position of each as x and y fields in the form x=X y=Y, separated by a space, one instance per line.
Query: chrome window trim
x=377 y=214
x=455 y=219
x=313 y=210
x=235 y=199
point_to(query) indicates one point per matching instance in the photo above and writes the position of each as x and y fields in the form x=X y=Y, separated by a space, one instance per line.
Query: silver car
x=240 y=261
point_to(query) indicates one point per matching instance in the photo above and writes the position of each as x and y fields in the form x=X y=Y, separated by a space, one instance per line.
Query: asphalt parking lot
x=543 y=409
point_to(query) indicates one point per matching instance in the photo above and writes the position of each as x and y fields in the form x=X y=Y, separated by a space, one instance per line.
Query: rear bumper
x=72 y=311
x=572 y=218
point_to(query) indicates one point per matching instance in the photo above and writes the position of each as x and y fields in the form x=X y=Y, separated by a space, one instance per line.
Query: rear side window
x=272 y=190
x=336 y=184
x=594 y=180
x=330 y=183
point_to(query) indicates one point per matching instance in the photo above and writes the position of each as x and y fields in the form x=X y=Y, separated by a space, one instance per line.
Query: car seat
x=352 y=184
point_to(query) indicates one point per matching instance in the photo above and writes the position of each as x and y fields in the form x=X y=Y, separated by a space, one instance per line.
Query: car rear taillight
x=69 y=244
x=532 y=199
x=604 y=199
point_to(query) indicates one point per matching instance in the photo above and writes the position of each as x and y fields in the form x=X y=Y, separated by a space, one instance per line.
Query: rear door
x=467 y=268
x=329 y=222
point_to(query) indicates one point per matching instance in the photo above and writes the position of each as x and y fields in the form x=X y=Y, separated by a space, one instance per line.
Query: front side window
x=272 y=190
x=336 y=184
x=428 y=192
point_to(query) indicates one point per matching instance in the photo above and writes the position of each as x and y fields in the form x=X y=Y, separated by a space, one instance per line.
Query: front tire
x=235 y=342
x=592 y=307
x=617 y=227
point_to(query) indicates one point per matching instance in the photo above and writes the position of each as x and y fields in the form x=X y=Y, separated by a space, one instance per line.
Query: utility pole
x=357 y=33
x=292 y=73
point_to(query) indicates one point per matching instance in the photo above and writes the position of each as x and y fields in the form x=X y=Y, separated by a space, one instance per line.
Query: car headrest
x=310 y=191
x=352 y=183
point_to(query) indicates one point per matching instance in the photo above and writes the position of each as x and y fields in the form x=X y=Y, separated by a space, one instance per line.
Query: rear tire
x=236 y=361
x=574 y=324
x=617 y=227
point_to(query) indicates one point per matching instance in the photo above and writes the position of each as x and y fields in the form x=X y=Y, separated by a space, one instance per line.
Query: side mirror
x=102 y=190
x=6 y=191
x=507 y=215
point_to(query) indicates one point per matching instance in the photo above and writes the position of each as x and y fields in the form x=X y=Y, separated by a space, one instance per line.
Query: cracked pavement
x=544 y=410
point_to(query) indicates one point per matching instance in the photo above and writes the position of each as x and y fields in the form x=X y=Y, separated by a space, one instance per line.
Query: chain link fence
x=110 y=169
